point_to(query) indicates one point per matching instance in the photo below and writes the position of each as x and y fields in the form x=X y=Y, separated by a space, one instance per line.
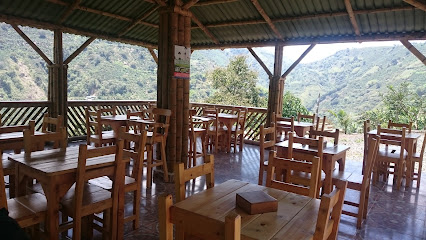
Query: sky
x=321 y=51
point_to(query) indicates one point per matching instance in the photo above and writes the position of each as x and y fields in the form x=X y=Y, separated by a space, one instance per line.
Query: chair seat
x=342 y=175
x=106 y=183
x=220 y=130
x=106 y=135
x=389 y=153
x=199 y=130
x=92 y=194
x=28 y=210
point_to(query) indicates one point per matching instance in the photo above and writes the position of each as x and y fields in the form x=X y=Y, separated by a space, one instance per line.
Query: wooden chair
x=290 y=167
x=160 y=130
x=329 y=212
x=132 y=181
x=366 y=129
x=196 y=225
x=407 y=126
x=36 y=142
x=214 y=132
x=361 y=183
x=27 y=210
x=281 y=128
x=195 y=133
x=183 y=175
x=267 y=142
x=321 y=122
x=418 y=158
x=100 y=137
x=84 y=200
x=332 y=135
x=393 y=151
x=310 y=118
x=209 y=110
x=237 y=130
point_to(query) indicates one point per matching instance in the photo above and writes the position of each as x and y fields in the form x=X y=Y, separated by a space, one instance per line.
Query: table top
x=296 y=123
x=14 y=136
x=329 y=148
x=296 y=215
x=118 y=118
x=224 y=115
x=200 y=118
x=58 y=161
x=143 y=121
x=411 y=135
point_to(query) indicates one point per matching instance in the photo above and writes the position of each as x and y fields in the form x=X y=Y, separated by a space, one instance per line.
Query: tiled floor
x=392 y=214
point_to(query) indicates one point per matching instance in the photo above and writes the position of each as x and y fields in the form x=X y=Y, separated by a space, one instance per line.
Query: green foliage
x=292 y=105
x=235 y=84
x=344 y=120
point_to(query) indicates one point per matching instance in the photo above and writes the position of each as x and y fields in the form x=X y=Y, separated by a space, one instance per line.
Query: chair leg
x=419 y=173
x=260 y=181
x=194 y=152
x=163 y=158
x=149 y=166
x=241 y=142
x=136 y=207
x=107 y=231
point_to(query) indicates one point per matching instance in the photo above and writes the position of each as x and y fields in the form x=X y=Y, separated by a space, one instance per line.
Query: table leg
x=20 y=182
x=342 y=162
x=409 y=164
x=52 y=223
x=328 y=168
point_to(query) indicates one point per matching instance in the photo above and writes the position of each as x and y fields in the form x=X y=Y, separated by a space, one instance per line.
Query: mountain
x=350 y=79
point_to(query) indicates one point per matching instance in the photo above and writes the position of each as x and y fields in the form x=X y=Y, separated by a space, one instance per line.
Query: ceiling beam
x=211 y=2
x=69 y=10
x=79 y=50
x=161 y=2
x=260 y=62
x=189 y=4
x=352 y=17
x=414 y=50
x=99 y=12
x=44 y=25
x=137 y=21
x=154 y=56
x=309 y=16
x=298 y=61
x=417 y=4
x=206 y=31
x=32 y=44
x=267 y=19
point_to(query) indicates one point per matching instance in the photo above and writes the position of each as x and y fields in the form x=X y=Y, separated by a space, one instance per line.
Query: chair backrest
x=18 y=128
x=320 y=125
x=291 y=168
x=280 y=127
x=373 y=148
x=85 y=173
x=130 y=114
x=393 y=137
x=333 y=135
x=161 y=116
x=93 y=121
x=36 y=142
x=3 y=198
x=422 y=151
x=310 y=142
x=407 y=126
x=266 y=140
x=50 y=122
x=108 y=111
x=184 y=175
x=300 y=117
x=138 y=138
x=242 y=116
x=197 y=225
x=330 y=211
x=209 y=110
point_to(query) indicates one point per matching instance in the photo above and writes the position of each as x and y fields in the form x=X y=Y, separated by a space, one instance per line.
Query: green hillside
x=351 y=80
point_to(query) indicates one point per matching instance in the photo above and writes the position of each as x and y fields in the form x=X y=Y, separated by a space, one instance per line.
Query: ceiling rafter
x=154 y=56
x=189 y=4
x=267 y=19
x=161 y=2
x=137 y=21
x=211 y=2
x=206 y=31
x=417 y=4
x=310 y=16
x=107 y=14
x=414 y=50
x=79 y=50
x=298 y=61
x=262 y=64
x=352 y=17
x=69 y=10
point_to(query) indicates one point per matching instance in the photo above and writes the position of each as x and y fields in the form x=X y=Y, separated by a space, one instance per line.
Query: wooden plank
x=298 y=61
x=417 y=4
x=31 y=43
x=352 y=17
x=414 y=51
x=260 y=62
x=267 y=19
x=79 y=50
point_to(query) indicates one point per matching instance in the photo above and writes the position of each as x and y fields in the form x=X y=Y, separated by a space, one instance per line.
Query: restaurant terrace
x=172 y=124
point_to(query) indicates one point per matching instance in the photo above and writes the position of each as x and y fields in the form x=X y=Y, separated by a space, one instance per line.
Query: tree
x=344 y=120
x=292 y=105
x=236 y=85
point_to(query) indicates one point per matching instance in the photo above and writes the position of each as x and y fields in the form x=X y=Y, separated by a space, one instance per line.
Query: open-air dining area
x=171 y=168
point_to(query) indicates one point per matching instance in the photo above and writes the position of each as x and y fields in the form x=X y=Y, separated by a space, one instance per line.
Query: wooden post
x=274 y=88
x=173 y=93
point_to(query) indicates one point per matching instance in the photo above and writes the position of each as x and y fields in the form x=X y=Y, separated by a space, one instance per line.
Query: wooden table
x=299 y=127
x=410 y=146
x=296 y=215
x=228 y=120
x=116 y=121
x=331 y=154
x=56 y=169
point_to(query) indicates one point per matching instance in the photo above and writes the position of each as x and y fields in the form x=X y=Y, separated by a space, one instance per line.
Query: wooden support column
x=414 y=51
x=274 y=88
x=57 y=92
x=173 y=93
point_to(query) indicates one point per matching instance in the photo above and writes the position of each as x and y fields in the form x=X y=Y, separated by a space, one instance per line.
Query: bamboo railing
x=18 y=113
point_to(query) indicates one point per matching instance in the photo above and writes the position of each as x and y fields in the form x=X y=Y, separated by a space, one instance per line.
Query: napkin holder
x=256 y=202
